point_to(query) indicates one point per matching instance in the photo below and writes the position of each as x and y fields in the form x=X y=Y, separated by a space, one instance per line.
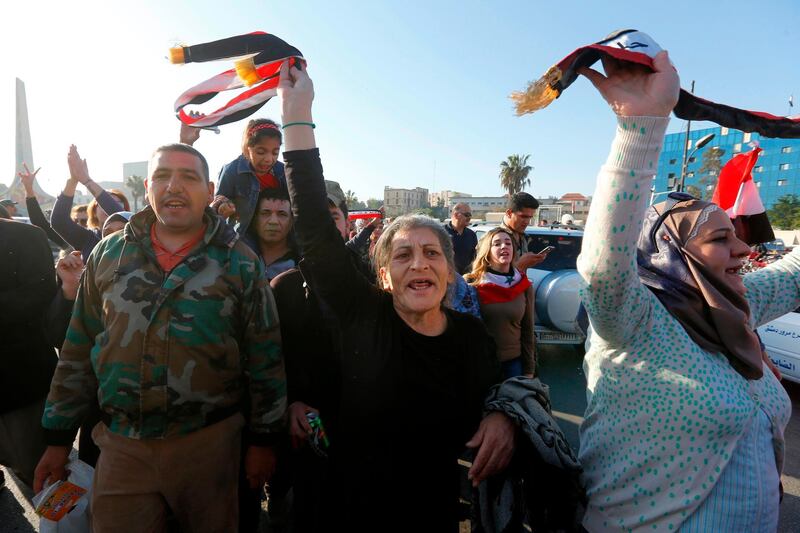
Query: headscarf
x=714 y=315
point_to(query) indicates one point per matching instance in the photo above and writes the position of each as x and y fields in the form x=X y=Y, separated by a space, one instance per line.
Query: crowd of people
x=204 y=342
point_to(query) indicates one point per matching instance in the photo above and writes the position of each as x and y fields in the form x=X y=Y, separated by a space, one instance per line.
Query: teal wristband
x=313 y=126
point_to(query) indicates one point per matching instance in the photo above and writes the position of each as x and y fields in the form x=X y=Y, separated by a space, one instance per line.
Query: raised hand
x=297 y=93
x=190 y=134
x=27 y=178
x=78 y=169
x=634 y=91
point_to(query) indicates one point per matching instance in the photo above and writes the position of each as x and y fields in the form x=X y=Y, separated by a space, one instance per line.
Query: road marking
x=574 y=419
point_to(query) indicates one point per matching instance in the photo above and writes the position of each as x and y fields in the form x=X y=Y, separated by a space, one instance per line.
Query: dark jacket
x=27 y=286
x=464 y=247
x=38 y=219
x=542 y=486
x=395 y=384
x=80 y=238
x=239 y=184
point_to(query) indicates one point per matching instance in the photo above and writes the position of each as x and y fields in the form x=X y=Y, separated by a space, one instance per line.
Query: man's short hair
x=522 y=200
x=185 y=148
x=271 y=193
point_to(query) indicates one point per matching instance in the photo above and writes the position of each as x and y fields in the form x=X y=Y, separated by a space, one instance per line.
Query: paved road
x=561 y=368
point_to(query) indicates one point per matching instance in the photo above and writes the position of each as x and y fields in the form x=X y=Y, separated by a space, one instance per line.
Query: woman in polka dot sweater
x=684 y=426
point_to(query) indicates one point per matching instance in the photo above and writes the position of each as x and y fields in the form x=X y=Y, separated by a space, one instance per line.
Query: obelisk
x=24 y=153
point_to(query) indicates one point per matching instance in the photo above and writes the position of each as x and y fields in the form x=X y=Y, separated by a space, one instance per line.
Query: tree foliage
x=785 y=213
x=353 y=202
x=514 y=173
x=709 y=171
x=374 y=203
x=136 y=185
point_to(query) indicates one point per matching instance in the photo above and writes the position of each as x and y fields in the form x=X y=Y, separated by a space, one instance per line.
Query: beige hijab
x=715 y=316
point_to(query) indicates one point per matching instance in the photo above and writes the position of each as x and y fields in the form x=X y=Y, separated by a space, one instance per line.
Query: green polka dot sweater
x=663 y=416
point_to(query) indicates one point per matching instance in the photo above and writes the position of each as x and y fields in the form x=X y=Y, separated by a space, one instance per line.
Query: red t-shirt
x=169 y=260
x=267 y=181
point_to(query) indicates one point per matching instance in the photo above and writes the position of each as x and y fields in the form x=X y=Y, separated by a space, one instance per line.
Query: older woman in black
x=414 y=374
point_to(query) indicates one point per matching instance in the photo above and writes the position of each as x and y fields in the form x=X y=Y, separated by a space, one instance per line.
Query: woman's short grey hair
x=383 y=248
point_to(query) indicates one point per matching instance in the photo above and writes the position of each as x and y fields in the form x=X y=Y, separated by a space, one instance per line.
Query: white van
x=781 y=338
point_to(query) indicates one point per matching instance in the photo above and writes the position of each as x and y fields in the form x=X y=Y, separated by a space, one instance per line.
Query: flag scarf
x=258 y=57
x=637 y=47
x=737 y=195
x=495 y=289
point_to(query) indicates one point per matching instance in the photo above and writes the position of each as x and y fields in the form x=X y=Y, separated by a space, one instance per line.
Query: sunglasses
x=466 y=215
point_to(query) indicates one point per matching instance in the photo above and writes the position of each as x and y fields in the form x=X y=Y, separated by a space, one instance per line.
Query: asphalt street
x=561 y=368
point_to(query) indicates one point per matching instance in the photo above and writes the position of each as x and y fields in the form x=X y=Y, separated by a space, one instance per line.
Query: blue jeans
x=512 y=368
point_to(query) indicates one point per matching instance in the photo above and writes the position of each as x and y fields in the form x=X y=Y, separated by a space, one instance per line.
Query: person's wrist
x=69 y=290
x=296 y=116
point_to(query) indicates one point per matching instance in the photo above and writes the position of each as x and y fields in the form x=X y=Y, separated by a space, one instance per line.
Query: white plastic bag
x=55 y=500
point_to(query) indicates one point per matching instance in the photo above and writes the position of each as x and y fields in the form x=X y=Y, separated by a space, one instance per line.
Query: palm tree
x=136 y=185
x=514 y=173
x=351 y=199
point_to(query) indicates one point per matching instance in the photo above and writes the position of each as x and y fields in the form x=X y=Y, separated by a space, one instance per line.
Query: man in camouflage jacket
x=171 y=354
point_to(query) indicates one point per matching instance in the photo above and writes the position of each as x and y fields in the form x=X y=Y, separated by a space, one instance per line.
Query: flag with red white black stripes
x=257 y=60
x=738 y=195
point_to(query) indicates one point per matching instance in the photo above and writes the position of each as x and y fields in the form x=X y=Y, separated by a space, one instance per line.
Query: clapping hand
x=78 y=169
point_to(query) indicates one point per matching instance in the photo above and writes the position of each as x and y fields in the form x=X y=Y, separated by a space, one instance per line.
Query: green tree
x=3 y=189
x=709 y=171
x=694 y=191
x=136 y=185
x=374 y=203
x=352 y=201
x=785 y=213
x=514 y=173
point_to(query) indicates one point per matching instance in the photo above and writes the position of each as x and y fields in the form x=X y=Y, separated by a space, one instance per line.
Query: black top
x=464 y=247
x=27 y=286
x=38 y=219
x=408 y=402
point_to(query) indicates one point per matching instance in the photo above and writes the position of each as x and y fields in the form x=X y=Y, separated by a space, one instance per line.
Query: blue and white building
x=777 y=172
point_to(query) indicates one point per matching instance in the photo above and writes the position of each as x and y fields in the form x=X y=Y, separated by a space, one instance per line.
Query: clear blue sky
x=402 y=87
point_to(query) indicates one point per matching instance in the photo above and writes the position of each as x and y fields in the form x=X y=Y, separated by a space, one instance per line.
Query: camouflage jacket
x=170 y=353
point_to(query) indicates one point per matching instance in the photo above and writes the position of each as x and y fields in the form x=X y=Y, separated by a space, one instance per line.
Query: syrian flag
x=737 y=194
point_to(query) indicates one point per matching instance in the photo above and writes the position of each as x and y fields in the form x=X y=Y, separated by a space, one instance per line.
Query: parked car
x=775 y=246
x=781 y=338
x=556 y=282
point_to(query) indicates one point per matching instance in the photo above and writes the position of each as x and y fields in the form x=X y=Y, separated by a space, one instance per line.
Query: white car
x=556 y=283
x=781 y=338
